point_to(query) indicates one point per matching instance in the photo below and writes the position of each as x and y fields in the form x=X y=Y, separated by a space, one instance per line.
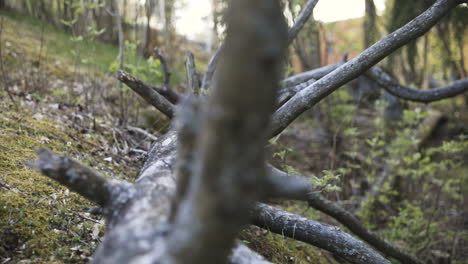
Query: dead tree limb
x=352 y=223
x=323 y=236
x=210 y=70
x=423 y=96
x=312 y=74
x=285 y=186
x=293 y=31
x=166 y=89
x=78 y=178
x=142 y=132
x=304 y=191
x=313 y=94
x=305 y=14
x=137 y=221
x=148 y=93
x=192 y=76
x=292 y=85
x=138 y=212
x=165 y=67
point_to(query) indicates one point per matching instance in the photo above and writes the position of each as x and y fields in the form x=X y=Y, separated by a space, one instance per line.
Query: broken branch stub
x=76 y=177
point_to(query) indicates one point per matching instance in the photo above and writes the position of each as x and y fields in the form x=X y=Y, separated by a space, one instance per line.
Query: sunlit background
x=193 y=18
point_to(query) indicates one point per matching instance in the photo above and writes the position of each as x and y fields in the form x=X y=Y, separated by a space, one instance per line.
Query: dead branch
x=296 y=83
x=305 y=14
x=324 y=236
x=208 y=77
x=354 y=225
x=285 y=186
x=77 y=177
x=166 y=89
x=305 y=192
x=166 y=71
x=293 y=31
x=137 y=230
x=285 y=93
x=192 y=76
x=313 y=94
x=143 y=132
x=312 y=74
x=148 y=93
x=424 y=96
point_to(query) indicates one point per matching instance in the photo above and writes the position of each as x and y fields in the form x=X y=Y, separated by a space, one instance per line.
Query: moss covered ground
x=41 y=221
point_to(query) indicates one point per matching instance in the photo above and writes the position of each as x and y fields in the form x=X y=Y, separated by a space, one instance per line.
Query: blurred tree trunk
x=106 y=20
x=370 y=24
x=215 y=17
x=124 y=15
x=168 y=29
x=307 y=43
x=149 y=8
x=443 y=30
x=58 y=16
x=44 y=12
x=363 y=89
x=66 y=4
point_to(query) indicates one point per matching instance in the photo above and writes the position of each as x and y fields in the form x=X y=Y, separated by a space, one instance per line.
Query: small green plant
x=425 y=177
x=330 y=180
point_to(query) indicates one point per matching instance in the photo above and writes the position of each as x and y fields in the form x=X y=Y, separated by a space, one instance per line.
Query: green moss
x=39 y=219
x=279 y=249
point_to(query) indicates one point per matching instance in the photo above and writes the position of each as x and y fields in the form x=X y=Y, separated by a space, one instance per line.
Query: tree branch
x=166 y=90
x=354 y=225
x=142 y=132
x=192 y=77
x=296 y=83
x=148 y=93
x=304 y=191
x=285 y=186
x=166 y=71
x=293 y=31
x=301 y=20
x=424 y=96
x=137 y=227
x=313 y=94
x=210 y=70
x=330 y=238
x=76 y=177
x=312 y=74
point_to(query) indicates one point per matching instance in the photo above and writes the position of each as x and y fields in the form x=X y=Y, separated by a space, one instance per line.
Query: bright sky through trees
x=194 y=18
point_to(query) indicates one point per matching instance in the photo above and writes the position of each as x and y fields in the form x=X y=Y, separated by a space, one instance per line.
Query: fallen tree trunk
x=314 y=233
x=137 y=213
